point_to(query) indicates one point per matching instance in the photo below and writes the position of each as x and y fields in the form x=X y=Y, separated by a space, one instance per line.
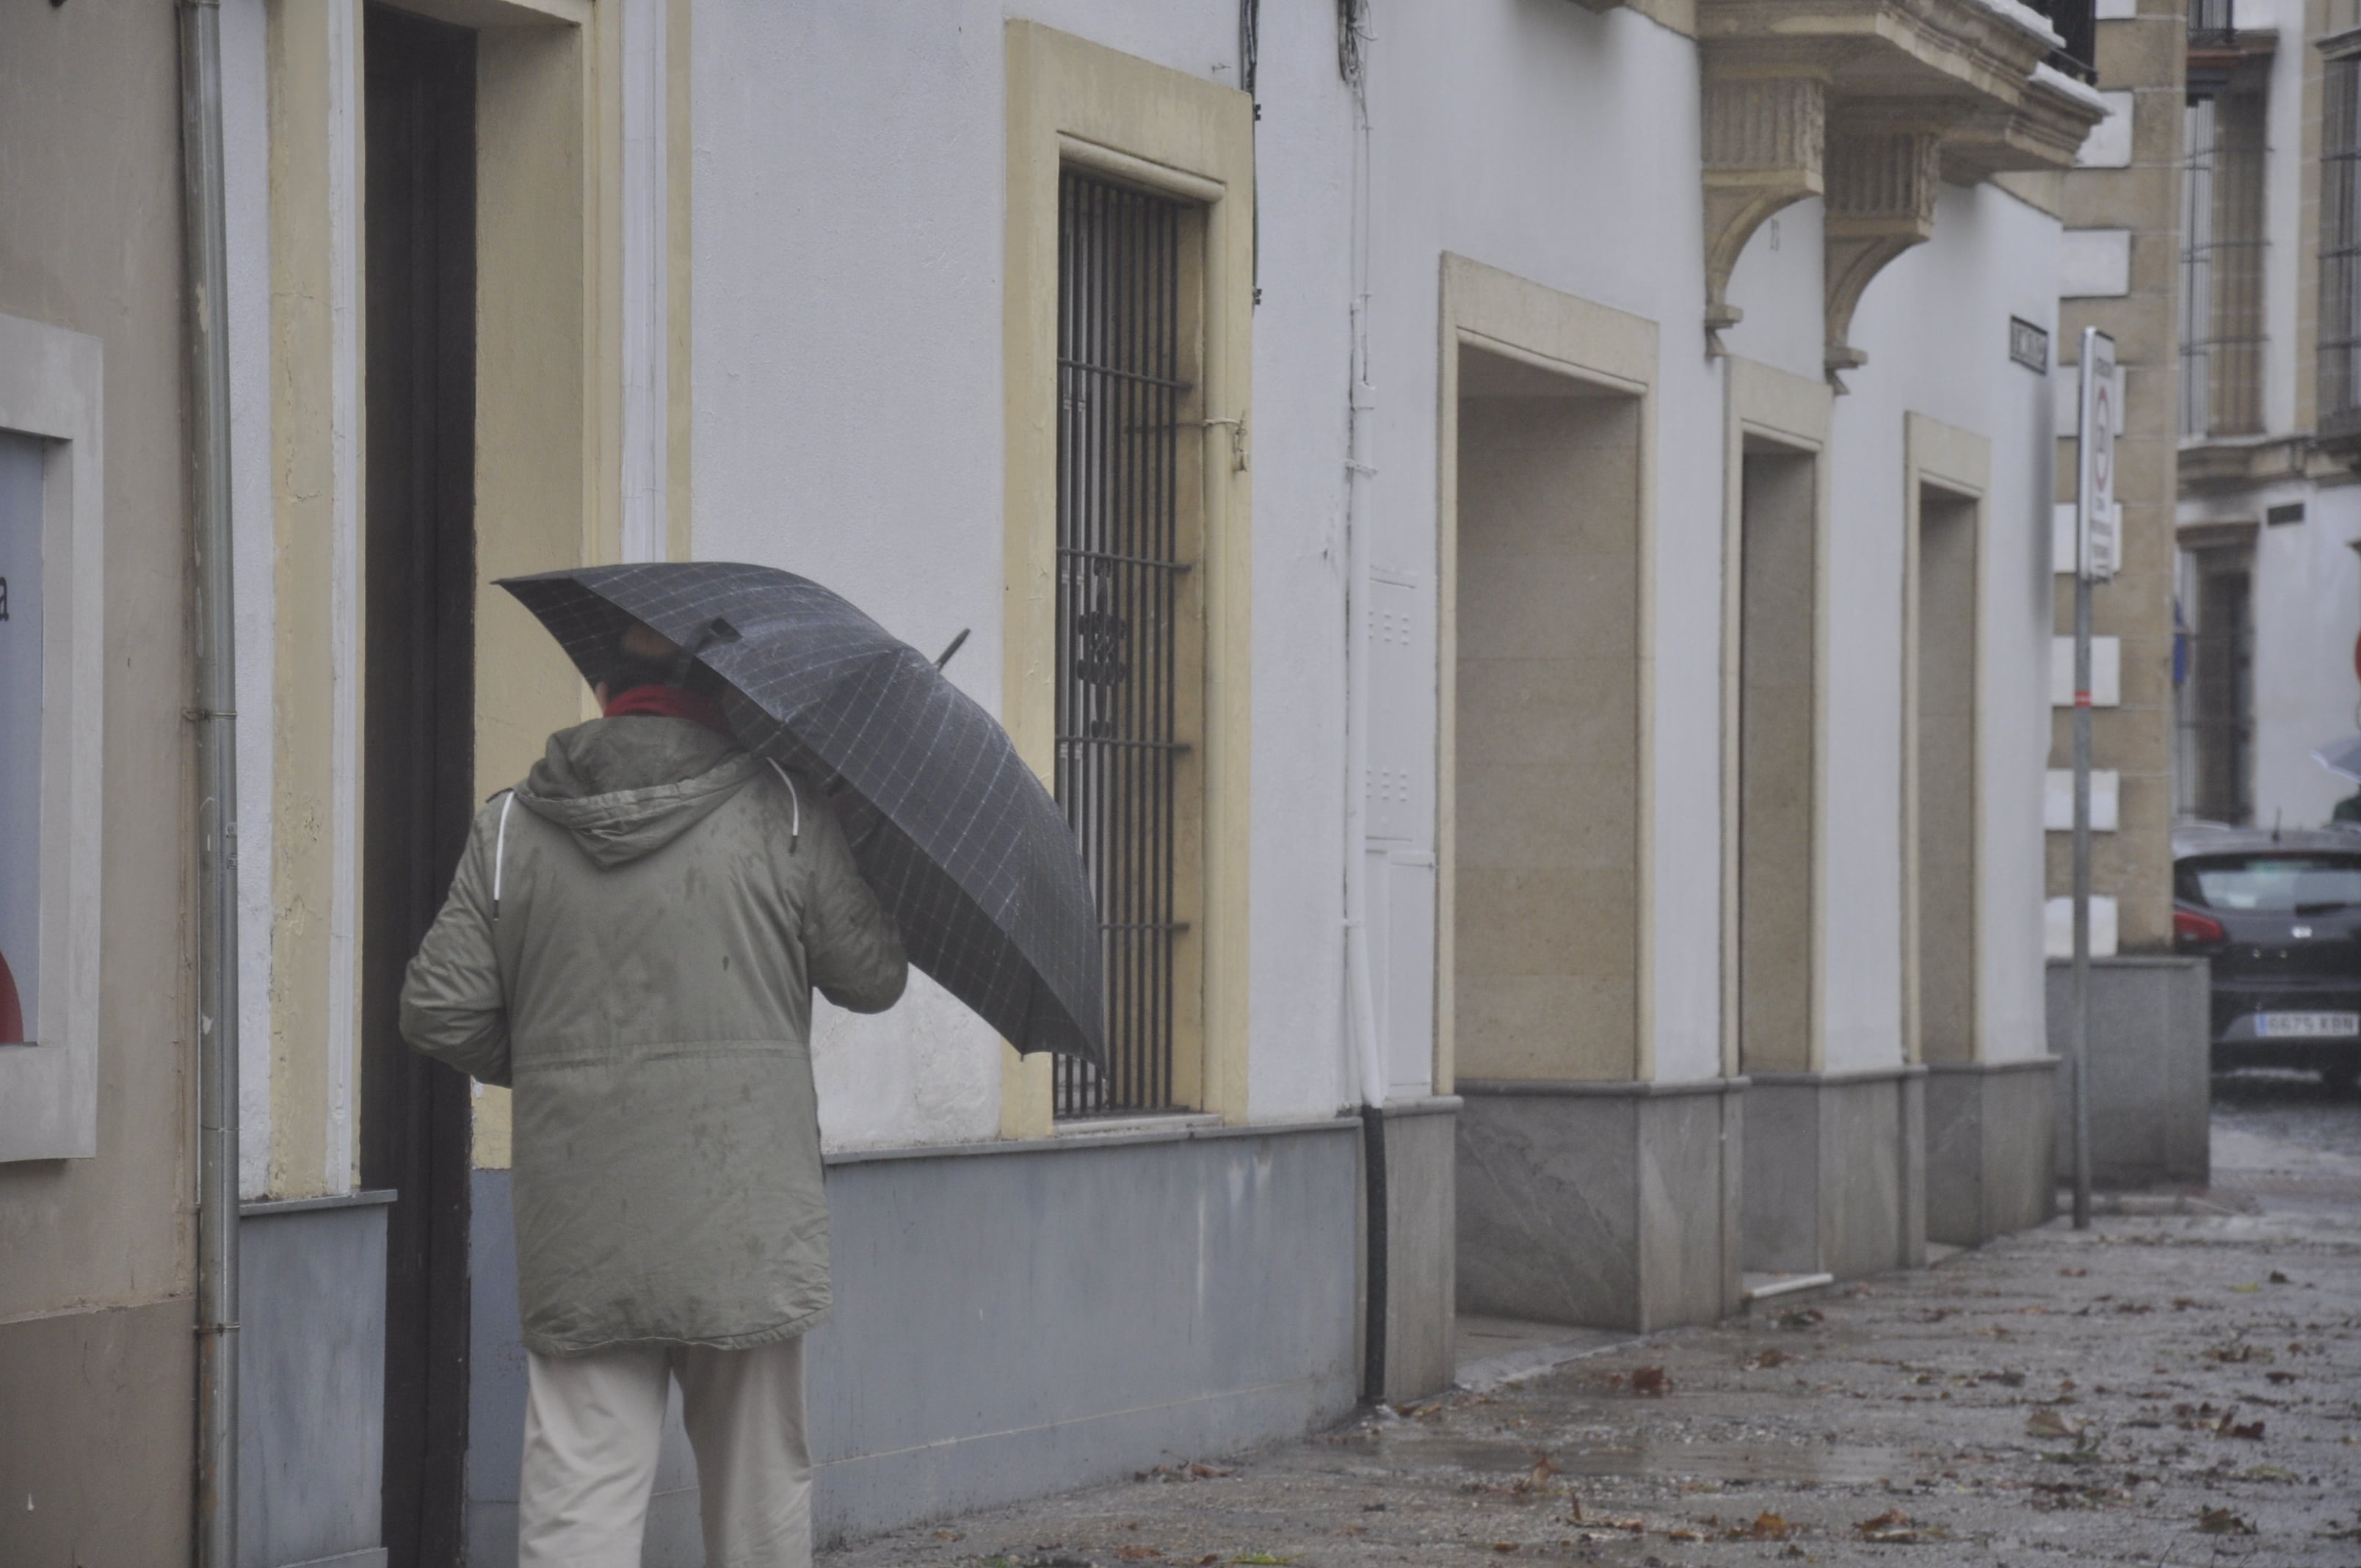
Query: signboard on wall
x=21 y=732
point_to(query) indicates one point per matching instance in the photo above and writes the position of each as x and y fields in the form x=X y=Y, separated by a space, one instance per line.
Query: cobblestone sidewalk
x=2165 y=1389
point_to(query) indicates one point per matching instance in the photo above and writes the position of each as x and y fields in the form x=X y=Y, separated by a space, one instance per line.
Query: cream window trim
x=50 y=386
x=1515 y=318
x=1793 y=412
x=1075 y=104
x=1958 y=464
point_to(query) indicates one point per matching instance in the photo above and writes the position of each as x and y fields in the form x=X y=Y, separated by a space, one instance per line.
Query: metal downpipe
x=207 y=262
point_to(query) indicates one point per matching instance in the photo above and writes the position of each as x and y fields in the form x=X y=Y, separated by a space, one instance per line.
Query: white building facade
x=2270 y=580
x=1553 y=503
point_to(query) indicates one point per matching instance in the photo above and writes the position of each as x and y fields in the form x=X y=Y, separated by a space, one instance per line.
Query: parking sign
x=2097 y=522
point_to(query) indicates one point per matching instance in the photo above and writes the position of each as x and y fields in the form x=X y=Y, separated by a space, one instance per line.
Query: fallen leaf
x=1771 y=1356
x=2047 y=1422
x=2267 y=1473
x=1802 y=1318
x=2222 y=1521
x=1681 y=1532
x=1139 y=1554
x=950 y=1535
x=1209 y=1472
x=2281 y=1377
x=2277 y=1278
x=2240 y=1352
x=1766 y=1527
x=2073 y=1273
x=1263 y=1557
x=2231 y=1426
x=1651 y=1381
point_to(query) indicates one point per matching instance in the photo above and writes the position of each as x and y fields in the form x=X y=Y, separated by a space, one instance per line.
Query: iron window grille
x=1123 y=401
x=2216 y=701
x=2213 y=24
x=2076 y=24
x=2340 y=248
x=2222 y=250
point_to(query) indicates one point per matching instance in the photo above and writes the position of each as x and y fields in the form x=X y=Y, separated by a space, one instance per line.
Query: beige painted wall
x=2146 y=55
x=99 y=1251
x=1546 y=880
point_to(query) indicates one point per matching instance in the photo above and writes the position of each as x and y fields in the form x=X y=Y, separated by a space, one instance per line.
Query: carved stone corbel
x=1764 y=135
x=1881 y=187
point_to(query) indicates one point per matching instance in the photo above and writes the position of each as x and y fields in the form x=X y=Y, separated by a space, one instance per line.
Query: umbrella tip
x=944 y=657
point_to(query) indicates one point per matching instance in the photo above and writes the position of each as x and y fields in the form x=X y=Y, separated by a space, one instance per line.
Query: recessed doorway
x=418 y=733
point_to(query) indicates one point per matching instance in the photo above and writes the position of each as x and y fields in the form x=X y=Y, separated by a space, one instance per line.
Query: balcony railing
x=2076 y=22
x=2213 y=24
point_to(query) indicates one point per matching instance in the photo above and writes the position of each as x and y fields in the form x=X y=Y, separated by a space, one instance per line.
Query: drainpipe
x=1360 y=480
x=215 y=714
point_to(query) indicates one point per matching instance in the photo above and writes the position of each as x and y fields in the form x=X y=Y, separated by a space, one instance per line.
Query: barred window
x=2340 y=248
x=2222 y=338
x=1128 y=649
x=2217 y=691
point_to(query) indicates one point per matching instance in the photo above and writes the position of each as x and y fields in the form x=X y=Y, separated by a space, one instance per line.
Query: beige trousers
x=591 y=1425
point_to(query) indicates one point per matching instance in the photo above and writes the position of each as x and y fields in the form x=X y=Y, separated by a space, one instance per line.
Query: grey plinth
x=311 y=1382
x=1605 y=1205
x=2151 y=1088
x=1421 y=1264
x=1991 y=1134
x=1835 y=1172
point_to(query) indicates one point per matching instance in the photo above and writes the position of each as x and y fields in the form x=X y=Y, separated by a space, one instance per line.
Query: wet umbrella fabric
x=2342 y=757
x=967 y=850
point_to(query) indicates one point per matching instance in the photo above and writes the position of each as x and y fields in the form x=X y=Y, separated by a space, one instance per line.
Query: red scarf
x=669 y=702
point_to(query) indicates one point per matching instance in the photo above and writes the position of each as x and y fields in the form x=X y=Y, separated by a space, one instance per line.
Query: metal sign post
x=2097 y=550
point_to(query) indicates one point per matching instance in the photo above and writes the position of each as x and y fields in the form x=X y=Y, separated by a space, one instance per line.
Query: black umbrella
x=964 y=845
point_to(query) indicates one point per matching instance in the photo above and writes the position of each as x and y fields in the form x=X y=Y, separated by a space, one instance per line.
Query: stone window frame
x=1565 y=334
x=51 y=388
x=1073 y=103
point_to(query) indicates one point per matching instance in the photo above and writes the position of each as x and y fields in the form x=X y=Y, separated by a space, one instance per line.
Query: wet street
x=2182 y=1385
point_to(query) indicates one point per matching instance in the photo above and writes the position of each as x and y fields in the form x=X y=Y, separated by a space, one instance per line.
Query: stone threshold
x=1510 y=1350
x=1764 y=1286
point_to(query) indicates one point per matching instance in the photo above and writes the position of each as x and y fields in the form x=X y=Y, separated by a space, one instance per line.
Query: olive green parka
x=630 y=944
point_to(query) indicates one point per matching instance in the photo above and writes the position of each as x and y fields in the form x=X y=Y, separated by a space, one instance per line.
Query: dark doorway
x=418 y=698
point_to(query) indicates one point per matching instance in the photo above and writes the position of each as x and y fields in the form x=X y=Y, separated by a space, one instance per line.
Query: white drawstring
x=500 y=852
x=795 y=806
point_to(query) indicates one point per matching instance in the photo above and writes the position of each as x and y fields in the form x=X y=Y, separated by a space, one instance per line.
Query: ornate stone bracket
x=1881 y=201
x=1765 y=135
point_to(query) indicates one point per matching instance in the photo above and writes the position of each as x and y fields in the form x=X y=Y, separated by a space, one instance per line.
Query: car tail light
x=2190 y=927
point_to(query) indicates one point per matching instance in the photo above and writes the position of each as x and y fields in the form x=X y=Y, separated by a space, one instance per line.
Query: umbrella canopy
x=2342 y=757
x=964 y=847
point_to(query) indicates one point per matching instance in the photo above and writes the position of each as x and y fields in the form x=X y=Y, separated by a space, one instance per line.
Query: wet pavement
x=2179 y=1389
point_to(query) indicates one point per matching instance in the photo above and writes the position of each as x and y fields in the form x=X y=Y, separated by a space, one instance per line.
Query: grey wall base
x=1421 y=1256
x=1991 y=1148
x=311 y=1382
x=2151 y=1058
x=1017 y=1319
x=1606 y=1205
x=1835 y=1172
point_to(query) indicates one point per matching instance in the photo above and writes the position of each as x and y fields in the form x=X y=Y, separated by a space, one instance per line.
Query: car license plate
x=2307 y=1026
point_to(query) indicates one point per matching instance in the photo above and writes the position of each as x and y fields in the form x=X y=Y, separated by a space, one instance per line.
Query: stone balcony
x=1869 y=105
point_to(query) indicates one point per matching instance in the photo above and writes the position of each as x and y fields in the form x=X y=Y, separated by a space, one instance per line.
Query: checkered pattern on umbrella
x=968 y=849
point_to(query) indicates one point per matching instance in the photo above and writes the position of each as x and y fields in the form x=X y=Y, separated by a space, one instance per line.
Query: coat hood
x=626 y=787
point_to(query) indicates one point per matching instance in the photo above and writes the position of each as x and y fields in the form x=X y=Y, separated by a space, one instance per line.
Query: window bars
x=2211 y=23
x=2076 y=24
x=2222 y=337
x=2340 y=249
x=1121 y=401
x=2216 y=717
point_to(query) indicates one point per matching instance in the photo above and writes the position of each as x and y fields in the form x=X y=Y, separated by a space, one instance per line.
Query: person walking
x=630 y=944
